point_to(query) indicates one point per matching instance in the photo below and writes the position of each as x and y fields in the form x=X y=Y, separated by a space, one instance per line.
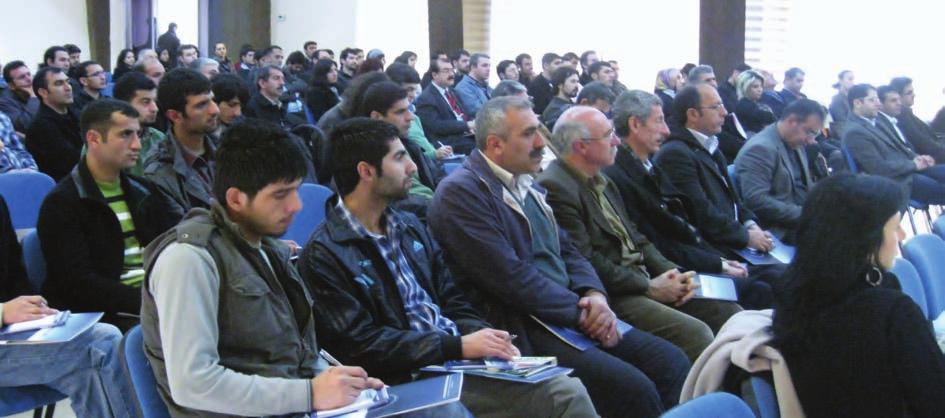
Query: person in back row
x=247 y=327
x=490 y=210
x=419 y=317
x=93 y=225
x=139 y=91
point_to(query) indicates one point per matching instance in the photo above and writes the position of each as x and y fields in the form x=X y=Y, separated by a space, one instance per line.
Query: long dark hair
x=838 y=236
x=120 y=63
x=320 y=72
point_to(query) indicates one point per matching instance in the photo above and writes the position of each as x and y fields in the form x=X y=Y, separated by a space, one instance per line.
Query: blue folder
x=782 y=253
x=577 y=339
x=715 y=287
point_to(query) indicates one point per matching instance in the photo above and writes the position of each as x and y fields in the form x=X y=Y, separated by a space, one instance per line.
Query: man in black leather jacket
x=384 y=297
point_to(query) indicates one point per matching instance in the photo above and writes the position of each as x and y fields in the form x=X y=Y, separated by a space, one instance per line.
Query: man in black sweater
x=540 y=87
x=53 y=136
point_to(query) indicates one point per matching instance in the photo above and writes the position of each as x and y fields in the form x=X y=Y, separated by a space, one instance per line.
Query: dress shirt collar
x=518 y=185
x=710 y=143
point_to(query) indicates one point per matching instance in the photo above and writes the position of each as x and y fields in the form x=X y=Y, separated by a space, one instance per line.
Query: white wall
x=31 y=27
x=392 y=26
x=118 y=31
x=644 y=37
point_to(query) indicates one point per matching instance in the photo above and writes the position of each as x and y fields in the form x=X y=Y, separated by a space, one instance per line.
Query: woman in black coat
x=752 y=114
x=323 y=92
x=856 y=346
x=126 y=59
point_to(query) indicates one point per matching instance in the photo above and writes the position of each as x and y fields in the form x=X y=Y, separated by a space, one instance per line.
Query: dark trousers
x=640 y=377
x=762 y=287
x=928 y=186
x=461 y=144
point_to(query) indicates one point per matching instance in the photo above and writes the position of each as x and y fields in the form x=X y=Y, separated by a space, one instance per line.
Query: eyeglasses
x=717 y=106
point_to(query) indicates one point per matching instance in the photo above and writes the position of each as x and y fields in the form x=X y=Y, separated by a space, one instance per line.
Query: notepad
x=715 y=287
x=781 y=254
x=48 y=321
x=71 y=326
x=369 y=398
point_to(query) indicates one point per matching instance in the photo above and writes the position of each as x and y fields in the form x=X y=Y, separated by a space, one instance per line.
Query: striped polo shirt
x=132 y=272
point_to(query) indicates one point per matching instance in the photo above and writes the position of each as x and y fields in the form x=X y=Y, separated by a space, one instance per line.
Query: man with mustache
x=502 y=242
x=96 y=221
x=567 y=84
x=182 y=165
x=441 y=111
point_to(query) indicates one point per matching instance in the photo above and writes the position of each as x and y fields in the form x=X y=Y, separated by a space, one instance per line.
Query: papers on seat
x=71 y=325
x=781 y=254
x=401 y=399
x=715 y=287
x=521 y=369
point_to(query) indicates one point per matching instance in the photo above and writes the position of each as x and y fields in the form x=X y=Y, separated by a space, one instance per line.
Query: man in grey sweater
x=227 y=323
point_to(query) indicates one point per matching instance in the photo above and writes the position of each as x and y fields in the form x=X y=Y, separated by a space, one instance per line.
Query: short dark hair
x=72 y=49
x=884 y=91
x=307 y=43
x=226 y=87
x=50 y=53
x=266 y=51
x=595 y=91
x=597 y=66
x=350 y=51
x=370 y=65
x=457 y=54
x=296 y=57
x=356 y=90
x=380 y=97
x=402 y=73
x=858 y=92
x=585 y=55
x=793 y=72
x=803 y=109
x=246 y=49
x=254 y=154
x=561 y=75
x=503 y=65
x=687 y=98
x=522 y=57
x=97 y=115
x=900 y=83
x=9 y=67
x=568 y=56
x=742 y=67
x=176 y=85
x=475 y=58
x=549 y=58
x=180 y=51
x=83 y=68
x=355 y=140
x=129 y=84
x=39 y=80
x=263 y=73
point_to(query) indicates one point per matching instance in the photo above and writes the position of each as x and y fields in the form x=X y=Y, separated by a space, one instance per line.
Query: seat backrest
x=925 y=252
x=911 y=283
x=939 y=227
x=34 y=261
x=851 y=163
x=313 y=198
x=733 y=177
x=713 y=405
x=765 y=397
x=141 y=375
x=24 y=193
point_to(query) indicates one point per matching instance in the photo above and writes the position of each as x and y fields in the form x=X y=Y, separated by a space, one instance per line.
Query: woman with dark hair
x=126 y=59
x=855 y=345
x=407 y=57
x=323 y=92
x=165 y=57
x=751 y=112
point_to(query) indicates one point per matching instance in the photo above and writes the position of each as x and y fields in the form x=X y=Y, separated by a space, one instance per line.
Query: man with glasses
x=92 y=79
x=692 y=161
x=773 y=169
x=441 y=111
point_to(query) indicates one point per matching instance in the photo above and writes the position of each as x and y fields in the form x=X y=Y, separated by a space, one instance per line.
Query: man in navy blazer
x=441 y=112
x=501 y=241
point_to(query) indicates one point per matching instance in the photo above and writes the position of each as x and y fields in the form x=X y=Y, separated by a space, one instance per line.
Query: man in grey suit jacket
x=877 y=153
x=772 y=168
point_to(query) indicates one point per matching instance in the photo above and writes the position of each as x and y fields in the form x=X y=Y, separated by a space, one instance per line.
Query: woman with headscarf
x=668 y=82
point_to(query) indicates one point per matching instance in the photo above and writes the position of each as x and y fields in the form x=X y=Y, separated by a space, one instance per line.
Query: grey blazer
x=766 y=180
x=877 y=153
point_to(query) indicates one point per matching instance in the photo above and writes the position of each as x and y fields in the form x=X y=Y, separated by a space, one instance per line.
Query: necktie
x=454 y=105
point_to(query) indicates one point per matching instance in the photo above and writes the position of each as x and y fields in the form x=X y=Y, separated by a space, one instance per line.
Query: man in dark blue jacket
x=441 y=111
x=386 y=300
x=502 y=243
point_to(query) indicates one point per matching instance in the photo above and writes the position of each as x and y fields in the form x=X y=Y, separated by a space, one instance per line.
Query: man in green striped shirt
x=93 y=225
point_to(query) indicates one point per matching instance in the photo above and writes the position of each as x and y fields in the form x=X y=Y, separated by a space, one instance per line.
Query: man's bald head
x=579 y=127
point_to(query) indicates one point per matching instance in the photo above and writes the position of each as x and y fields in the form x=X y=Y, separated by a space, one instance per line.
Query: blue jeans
x=928 y=186
x=87 y=369
x=640 y=377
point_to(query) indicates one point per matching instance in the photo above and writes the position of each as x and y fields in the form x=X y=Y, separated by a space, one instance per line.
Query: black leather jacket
x=361 y=318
